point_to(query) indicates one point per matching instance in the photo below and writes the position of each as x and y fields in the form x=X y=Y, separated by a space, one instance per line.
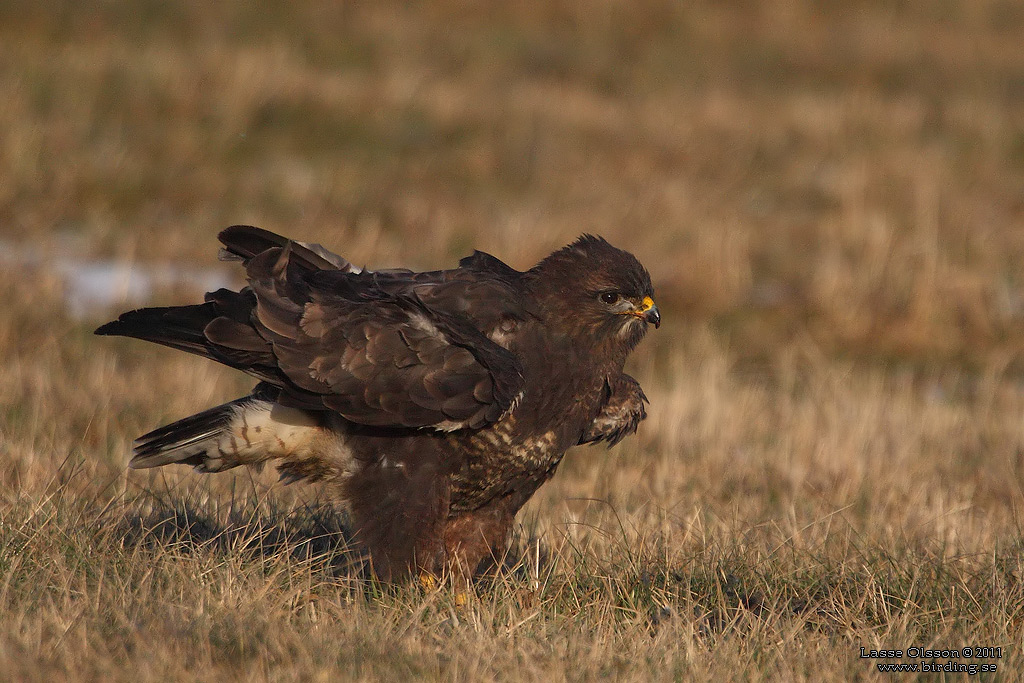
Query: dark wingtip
x=125 y=324
x=227 y=233
x=246 y=241
x=235 y=232
x=231 y=231
x=109 y=329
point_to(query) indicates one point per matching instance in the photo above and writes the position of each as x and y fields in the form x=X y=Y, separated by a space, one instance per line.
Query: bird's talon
x=428 y=582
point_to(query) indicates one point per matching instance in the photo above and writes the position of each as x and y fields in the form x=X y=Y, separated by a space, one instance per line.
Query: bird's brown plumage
x=433 y=404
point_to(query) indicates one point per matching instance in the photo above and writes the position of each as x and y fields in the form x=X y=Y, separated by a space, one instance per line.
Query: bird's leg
x=471 y=537
x=398 y=515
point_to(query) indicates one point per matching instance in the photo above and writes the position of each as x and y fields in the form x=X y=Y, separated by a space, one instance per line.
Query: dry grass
x=829 y=195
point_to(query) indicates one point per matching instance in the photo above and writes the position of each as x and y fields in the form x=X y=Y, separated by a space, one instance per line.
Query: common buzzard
x=432 y=404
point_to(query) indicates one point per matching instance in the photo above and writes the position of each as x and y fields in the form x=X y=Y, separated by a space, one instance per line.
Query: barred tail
x=187 y=441
x=247 y=431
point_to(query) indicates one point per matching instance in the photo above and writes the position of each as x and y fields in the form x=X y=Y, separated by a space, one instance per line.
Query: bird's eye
x=609 y=297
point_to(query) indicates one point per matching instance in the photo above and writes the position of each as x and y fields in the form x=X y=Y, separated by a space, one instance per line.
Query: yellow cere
x=646 y=304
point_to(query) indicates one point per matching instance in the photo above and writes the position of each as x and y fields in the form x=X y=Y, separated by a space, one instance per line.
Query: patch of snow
x=92 y=288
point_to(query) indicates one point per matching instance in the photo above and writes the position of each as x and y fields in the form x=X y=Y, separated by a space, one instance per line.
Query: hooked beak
x=649 y=312
x=652 y=316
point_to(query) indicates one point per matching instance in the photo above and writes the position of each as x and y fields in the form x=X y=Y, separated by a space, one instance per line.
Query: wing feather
x=620 y=414
x=387 y=348
x=393 y=349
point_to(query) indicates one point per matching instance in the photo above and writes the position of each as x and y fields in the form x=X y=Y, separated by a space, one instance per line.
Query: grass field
x=829 y=196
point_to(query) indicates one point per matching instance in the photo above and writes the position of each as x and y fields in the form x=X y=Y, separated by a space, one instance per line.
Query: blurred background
x=852 y=173
x=829 y=197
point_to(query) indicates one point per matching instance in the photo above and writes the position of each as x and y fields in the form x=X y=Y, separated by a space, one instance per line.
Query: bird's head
x=603 y=293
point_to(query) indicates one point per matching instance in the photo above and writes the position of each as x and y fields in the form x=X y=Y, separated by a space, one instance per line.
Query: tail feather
x=185 y=441
x=189 y=440
x=247 y=431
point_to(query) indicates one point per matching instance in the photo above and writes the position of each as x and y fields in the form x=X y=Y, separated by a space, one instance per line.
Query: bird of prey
x=432 y=404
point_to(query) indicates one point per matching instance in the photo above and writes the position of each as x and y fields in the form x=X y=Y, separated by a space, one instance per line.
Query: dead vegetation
x=829 y=196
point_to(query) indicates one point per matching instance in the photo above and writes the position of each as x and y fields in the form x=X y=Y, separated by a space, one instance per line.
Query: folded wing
x=385 y=349
x=368 y=345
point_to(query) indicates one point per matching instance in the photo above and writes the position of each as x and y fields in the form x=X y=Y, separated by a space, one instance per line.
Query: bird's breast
x=517 y=454
x=505 y=459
